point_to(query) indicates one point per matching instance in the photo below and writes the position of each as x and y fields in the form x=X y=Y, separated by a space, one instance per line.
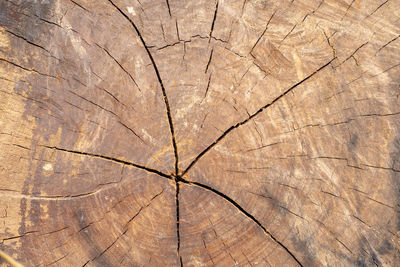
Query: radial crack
x=391 y=41
x=284 y=38
x=57 y=260
x=132 y=131
x=30 y=70
x=244 y=212
x=214 y=18
x=29 y=42
x=171 y=126
x=208 y=86
x=348 y=7
x=209 y=60
x=177 y=219
x=251 y=117
x=352 y=54
x=18 y=236
x=142 y=208
x=378 y=8
x=111 y=159
x=75 y=3
x=169 y=8
x=262 y=34
x=120 y=65
x=91 y=102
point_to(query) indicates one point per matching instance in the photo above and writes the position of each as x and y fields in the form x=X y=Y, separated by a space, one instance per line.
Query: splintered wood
x=200 y=133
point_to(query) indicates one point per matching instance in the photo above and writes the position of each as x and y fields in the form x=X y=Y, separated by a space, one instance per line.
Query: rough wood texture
x=200 y=133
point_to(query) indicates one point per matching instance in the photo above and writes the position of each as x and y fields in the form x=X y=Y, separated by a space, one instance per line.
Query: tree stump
x=200 y=133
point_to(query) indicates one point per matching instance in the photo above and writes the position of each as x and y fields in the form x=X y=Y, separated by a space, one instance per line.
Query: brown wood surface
x=200 y=132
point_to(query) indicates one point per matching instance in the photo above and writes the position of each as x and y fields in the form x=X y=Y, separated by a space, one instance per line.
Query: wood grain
x=200 y=133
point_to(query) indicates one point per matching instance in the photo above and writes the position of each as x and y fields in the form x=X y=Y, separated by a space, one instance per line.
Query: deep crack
x=214 y=18
x=169 y=8
x=171 y=126
x=167 y=106
x=95 y=155
x=177 y=179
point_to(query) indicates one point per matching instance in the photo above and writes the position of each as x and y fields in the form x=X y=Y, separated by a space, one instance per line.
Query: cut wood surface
x=200 y=132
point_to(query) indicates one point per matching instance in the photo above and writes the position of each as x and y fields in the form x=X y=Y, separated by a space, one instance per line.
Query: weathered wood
x=200 y=133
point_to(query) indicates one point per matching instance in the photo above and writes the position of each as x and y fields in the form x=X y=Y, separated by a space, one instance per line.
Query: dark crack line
x=378 y=8
x=251 y=117
x=91 y=102
x=120 y=65
x=243 y=211
x=177 y=30
x=263 y=146
x=348 y=7
x=111 y=159
x=79 y=5
x=169 y=8
x=171 y=126
x=132 y=131
x=178 y=178
x=57 y=260
x=313 y=12
x=124 y=231
x=330 y=44
x=214 y=18
x=55 y=231
x=107 y=248
x=262 y=34
x=209 y=60
x=284 y=38
x=18 y=236
x=30 y=70
x=49 y=22
x=352 y=54
x=29 y=42
x=142 y=208
x=388 y=43
x=178 y=235
x=179 y=42
x=208 y=86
